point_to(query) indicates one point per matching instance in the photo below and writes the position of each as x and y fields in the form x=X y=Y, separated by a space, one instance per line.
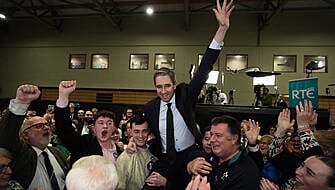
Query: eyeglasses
x=38 y=126
x=5 y=167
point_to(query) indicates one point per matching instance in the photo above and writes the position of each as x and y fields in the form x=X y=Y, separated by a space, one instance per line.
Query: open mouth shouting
x=46 y=133
x=104 y=134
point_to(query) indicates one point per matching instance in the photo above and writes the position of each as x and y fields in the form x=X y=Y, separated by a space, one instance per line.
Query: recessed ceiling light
x=2 y=16
x=149 y=11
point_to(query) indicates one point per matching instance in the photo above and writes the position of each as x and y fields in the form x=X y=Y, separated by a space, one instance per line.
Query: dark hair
x=233 y=124
x=165 y=72
x=272 y=126
x=128 y=108
x=208 y=128
x=294 y=135
x=105 y=113
x=137 y=120
x=330 y=162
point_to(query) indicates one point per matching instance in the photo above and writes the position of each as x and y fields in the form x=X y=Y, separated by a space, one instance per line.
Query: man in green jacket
x=27 y=140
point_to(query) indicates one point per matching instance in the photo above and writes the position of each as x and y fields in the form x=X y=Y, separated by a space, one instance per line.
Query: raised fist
x=27 y=93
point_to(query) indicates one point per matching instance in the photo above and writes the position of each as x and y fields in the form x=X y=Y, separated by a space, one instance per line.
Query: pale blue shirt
x=215 y=45
x=182 y=135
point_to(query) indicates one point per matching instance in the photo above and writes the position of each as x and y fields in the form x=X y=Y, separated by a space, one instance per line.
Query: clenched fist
x=27 y=93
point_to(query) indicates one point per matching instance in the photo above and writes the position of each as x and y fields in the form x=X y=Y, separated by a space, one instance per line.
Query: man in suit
x=181 y=99
x=36 y=164
x=99 y=142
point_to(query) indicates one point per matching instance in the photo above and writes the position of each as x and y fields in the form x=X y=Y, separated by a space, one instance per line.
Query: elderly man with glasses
x=36 y=164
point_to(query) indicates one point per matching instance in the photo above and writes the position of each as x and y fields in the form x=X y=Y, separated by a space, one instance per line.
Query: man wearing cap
x=36 y=164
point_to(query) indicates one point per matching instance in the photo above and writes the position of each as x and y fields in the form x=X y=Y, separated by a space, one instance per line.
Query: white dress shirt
x=182 y=135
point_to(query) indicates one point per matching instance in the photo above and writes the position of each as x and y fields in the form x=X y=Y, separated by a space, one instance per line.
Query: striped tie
x=50 y=171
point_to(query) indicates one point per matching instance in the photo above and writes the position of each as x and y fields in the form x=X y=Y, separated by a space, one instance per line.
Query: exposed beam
x=330 y=2
x=58 y=22
x=143 y=3
x=71 y=4
x=107 y=15
x=35 y=16
x=266 y=18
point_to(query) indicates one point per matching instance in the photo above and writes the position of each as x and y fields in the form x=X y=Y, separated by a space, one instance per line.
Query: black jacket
x=78 y=145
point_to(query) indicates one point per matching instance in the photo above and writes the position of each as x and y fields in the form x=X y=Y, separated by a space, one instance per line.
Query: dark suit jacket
x=78 y=145
x=186 y=98
x=24 y=156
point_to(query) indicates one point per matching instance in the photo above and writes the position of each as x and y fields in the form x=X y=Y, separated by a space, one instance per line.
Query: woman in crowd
x=264 y=146
x=315 y=173
x=6 y=165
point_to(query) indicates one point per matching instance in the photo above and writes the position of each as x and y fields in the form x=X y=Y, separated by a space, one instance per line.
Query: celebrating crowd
x=162 y=148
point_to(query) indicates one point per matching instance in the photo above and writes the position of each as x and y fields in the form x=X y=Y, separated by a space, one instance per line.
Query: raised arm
x=304 y=113
x=252 y=131
x=11 y=121
x=64 y=129
x=284 y=122
x=222 y=14
x=306 y=116
x=27 y=93
x=65 y=89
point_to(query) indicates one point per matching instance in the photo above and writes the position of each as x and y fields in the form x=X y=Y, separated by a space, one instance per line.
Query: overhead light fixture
x=149 y=10
x=2 y=16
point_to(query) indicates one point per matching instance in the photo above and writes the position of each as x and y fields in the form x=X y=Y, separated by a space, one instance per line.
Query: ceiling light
x=149 y=11
x=2 y=16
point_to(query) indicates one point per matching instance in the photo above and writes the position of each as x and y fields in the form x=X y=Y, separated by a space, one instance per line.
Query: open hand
x=199 y=166
x=252 y=131
x=284 y=122
x=222 y=13
x=198 y=183
x=305 y=114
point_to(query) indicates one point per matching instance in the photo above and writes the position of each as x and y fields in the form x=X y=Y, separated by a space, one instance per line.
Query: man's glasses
x=3 y=168
x=38 y=126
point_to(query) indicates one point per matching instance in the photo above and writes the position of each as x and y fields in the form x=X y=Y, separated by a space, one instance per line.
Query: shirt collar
x=172 y=101
x=39 y=151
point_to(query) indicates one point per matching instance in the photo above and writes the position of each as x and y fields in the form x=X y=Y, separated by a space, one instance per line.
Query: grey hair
x=92 y=172
x=5 y=153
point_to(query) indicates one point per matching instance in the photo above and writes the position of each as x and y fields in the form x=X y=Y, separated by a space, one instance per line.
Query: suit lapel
x=156 y=112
